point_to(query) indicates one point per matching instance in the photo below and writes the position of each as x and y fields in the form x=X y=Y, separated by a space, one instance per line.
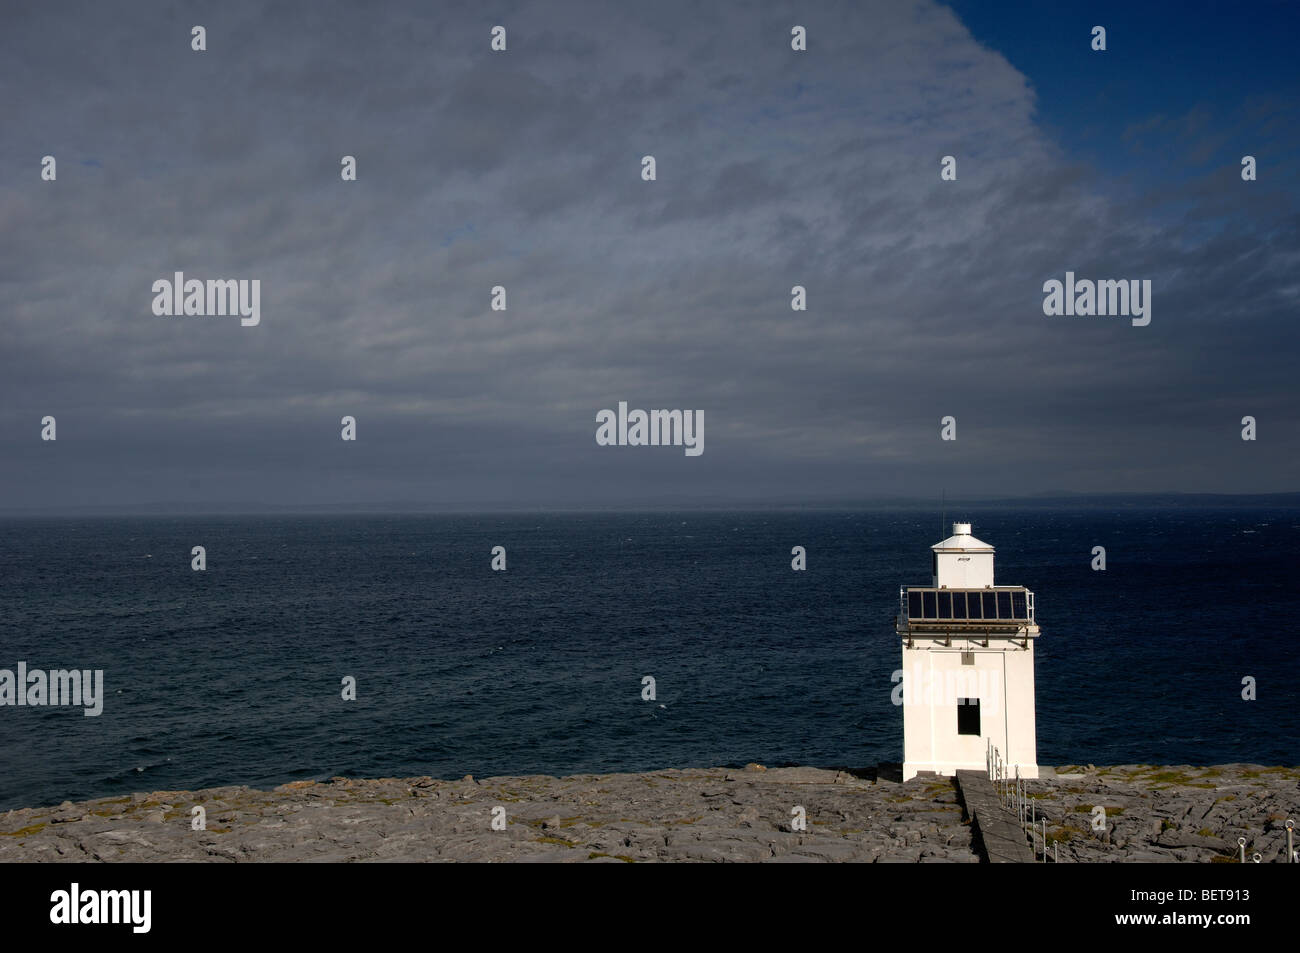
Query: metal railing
x=1013 y=791
x=1256 y=857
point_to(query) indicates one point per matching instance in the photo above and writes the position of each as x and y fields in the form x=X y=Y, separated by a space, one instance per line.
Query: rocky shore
x=798 y=814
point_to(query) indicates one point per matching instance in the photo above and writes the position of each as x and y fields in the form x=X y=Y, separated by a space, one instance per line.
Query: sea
x=237 y=674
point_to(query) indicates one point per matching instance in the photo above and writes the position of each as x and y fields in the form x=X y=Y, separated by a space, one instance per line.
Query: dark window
x=968 y=716
x=1018 y=605
x=945 y=605
x=990 y=610
x=959 y=605
x=913 y=605
x=975 y=611
x=1004 y=605
x=931 y=610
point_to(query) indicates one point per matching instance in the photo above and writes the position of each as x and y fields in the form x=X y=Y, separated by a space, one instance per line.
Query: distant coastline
x=1079 y=501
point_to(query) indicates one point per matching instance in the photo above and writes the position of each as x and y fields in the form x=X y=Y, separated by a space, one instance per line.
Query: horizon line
x=398 y=508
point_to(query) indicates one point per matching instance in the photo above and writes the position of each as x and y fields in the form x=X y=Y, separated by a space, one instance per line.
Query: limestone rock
x=1154 y=813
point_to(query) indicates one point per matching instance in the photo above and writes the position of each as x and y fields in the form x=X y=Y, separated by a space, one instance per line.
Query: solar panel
x=969 y=605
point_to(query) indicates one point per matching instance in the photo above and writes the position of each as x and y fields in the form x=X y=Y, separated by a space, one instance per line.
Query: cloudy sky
x=523 y=169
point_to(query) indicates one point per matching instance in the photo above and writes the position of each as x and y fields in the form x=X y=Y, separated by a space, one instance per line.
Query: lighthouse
x=968 y=665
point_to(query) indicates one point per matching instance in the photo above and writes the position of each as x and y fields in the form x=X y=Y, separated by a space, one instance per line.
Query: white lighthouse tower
x=968 y=665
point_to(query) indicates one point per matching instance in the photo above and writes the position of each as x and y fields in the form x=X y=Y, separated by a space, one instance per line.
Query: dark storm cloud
x=523 y=169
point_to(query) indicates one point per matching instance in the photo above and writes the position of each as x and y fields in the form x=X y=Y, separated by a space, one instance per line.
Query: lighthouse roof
x=962 y=541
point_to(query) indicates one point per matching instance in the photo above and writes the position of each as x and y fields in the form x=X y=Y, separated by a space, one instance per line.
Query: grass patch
x=560 y=841
x=25 y=831
x=623 y=857
x=1167 y=777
